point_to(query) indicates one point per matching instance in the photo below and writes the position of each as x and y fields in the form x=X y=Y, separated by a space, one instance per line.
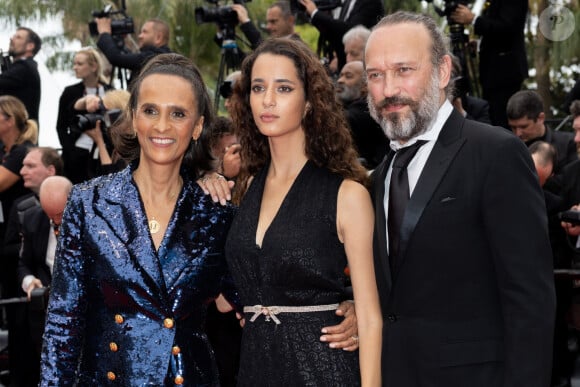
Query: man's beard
x=13 y=53
x=349 y=93
x=401 y=128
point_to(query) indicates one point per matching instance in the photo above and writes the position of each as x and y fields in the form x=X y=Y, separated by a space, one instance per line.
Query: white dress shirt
x=418 y=162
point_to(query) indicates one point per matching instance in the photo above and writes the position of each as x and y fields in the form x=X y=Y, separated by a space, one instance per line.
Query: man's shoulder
x=26 y=202
x=74 y=89
x=154 y=50
x=558 y=135
x=572 y=170
x=476 y=129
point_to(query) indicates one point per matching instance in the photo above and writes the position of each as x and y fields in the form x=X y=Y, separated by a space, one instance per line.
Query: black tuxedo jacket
x=365 y=12
x=477 y=109
x=502 y=53
x=133 y=61
x=568 y=187
x=472 y=303
x=35 y=229
x=22 y=80
x=369 y=138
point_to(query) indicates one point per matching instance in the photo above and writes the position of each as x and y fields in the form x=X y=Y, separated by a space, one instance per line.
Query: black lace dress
x=300 y=263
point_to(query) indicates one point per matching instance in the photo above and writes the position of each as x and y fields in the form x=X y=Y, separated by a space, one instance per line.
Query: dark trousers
x=497 y=99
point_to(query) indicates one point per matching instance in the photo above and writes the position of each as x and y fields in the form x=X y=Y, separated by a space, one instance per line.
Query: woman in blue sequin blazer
x=140 y=252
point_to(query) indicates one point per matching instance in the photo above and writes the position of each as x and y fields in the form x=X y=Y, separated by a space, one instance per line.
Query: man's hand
x=217 y=186
x=92 y=103
x=462 y=15
x=572 y=229
x=96 y=133
x=103 y=25
x=223 y=305
x=231 y=162
x=242 y=13
x=35 y=284
x=309 y=5
x=344 y=335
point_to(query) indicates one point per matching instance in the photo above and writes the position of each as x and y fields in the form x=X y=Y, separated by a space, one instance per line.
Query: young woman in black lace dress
x=304 y=215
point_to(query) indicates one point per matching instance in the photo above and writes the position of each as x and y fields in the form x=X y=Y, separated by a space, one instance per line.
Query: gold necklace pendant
x=154 y=226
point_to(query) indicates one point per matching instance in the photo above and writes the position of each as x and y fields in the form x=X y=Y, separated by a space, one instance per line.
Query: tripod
x=229 y=60
x=460 y=48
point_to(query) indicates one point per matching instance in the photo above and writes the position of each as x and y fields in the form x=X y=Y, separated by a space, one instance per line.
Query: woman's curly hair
x=328 y=139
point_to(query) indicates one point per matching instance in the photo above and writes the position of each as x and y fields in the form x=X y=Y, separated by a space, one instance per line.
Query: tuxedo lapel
x=380 y=236
x=444 y=151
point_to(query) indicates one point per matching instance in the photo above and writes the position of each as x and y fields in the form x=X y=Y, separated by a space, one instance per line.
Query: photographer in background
x=352 y=13
x=101 y=117
x=246 y=25
x=88 y=67
x=503 y=64
x=153 y=40
x=21 y=79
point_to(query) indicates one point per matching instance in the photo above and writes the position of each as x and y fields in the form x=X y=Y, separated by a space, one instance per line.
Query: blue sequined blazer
x=121 y=313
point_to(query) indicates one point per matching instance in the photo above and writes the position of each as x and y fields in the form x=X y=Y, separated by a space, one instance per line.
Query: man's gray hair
x=357 y=32
x=439 y=42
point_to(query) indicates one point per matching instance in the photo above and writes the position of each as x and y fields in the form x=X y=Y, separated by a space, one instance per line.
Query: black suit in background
x=365 y=12
x=131 y=61
x=22 y=80
x=566 y=153
x=566 y=256
x=472 y=303
x=28 y=229
x=568 y=188
x=369 y=138
x=565 y=147
x=503 y=64
x=35 y=233
x=477 y=109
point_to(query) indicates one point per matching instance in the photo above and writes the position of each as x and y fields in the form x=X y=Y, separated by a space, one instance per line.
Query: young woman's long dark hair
x=328 y=139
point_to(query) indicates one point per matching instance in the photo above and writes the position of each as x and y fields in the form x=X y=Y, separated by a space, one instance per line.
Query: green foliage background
x=556 y=62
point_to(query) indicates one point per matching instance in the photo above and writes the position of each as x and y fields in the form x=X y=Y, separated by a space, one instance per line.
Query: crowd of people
x=355 y=218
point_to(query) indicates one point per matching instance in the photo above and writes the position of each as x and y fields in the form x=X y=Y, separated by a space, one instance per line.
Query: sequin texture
x=111 y=286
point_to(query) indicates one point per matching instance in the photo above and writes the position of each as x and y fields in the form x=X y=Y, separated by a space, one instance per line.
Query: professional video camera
x=5 y=61
x=84 y=122
x=222 y=15
x=121 y=23
x=460 y=46
x=322 y=5
x=448 y=7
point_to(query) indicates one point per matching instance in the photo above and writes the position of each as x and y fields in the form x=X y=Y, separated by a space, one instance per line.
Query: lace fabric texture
x=300 y=263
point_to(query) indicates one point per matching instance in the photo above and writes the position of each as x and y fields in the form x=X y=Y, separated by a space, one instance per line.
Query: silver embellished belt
x=272 y=311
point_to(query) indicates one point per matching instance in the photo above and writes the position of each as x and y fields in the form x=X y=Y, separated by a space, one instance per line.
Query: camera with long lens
x=83 y=122
x=322 y=5
x=448 y=8
x=121 y=23
x=223 y=15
